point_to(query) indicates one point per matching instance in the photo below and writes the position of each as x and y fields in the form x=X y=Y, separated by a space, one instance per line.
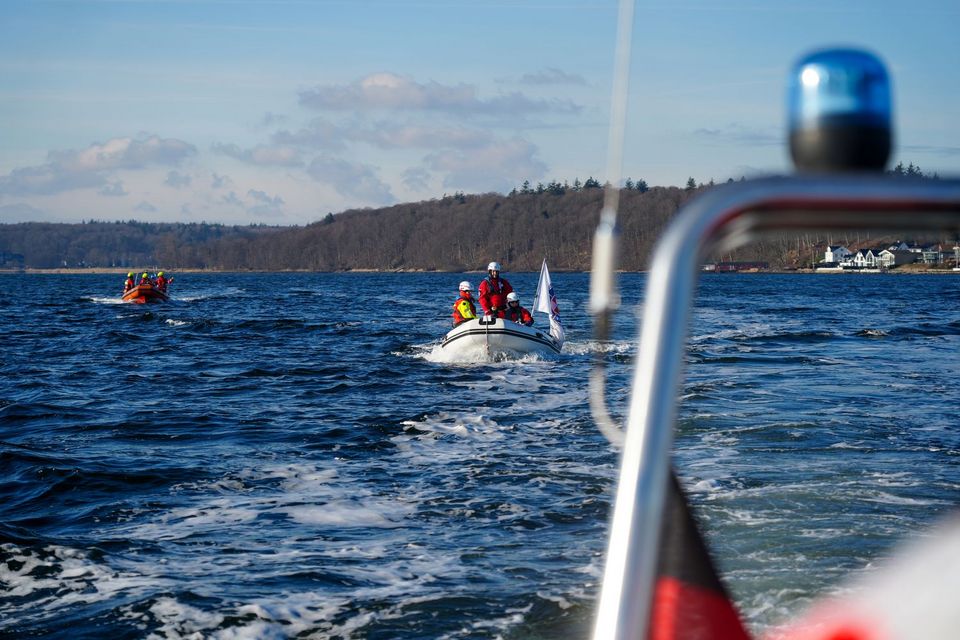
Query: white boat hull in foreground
x=498 y=338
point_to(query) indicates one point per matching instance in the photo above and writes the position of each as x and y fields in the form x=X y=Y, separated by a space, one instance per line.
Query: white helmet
x=465 y=286
x=494 y=266
x=513 y=297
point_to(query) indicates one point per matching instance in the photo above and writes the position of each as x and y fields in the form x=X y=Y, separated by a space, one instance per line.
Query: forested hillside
x=460 y=232
x=455 y=233
x=44 y=245
x=465 y=232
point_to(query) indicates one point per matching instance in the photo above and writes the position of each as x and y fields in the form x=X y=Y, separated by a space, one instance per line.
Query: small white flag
x=547 y=303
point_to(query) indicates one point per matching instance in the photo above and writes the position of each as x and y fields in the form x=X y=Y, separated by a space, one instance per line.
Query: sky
x=280 y=112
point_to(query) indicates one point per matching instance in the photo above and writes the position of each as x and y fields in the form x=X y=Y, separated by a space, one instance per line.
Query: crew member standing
x=129 y=283
x=516 y=313
x=463 y=308
x=162 y=282
x=493 y=291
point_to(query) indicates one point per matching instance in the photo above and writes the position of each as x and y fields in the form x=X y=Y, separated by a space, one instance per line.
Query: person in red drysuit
x=162 y=282
x=516 y=313
x=493 y=290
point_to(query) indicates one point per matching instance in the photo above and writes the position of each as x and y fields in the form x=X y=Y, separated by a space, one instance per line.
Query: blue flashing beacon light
x=839 y=108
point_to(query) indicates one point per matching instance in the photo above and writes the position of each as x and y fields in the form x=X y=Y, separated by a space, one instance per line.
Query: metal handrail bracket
x=722 y=219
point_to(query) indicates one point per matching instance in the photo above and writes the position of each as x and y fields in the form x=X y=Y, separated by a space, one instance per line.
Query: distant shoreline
x=122 y=272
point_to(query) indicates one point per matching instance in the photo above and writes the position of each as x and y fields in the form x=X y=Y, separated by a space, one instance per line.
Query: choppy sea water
x=287 y=455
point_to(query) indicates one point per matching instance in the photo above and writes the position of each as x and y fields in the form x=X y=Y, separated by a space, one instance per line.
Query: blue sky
x=247 y=111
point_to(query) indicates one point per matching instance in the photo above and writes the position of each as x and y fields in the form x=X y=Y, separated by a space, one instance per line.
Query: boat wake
x=433 y=352
x=590 y=347
x=213 y=294
x=103 y=300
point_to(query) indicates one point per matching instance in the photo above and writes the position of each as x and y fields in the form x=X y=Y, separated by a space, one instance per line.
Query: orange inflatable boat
x=145 y=293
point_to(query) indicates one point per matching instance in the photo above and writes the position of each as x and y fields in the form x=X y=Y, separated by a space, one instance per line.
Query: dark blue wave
x=280 y=455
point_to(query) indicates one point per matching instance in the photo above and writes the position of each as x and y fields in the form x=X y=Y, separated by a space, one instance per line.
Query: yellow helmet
x=160 y=274
x=130 y=275
x=145 y=275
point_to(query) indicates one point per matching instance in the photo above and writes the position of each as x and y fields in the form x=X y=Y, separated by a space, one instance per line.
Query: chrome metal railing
x=722 y=219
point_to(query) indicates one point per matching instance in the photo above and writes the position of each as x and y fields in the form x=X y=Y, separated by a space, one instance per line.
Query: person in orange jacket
x=129 y=283
x=463 y=308
x=516 y=313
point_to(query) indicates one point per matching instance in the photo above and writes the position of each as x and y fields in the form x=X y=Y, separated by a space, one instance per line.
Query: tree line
x=453 y=233
x=458 y=232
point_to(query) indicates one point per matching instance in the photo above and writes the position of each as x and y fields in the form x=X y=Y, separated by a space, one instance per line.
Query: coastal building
x=888 y=259
x=836 y=254
x=733 y=267
x=899 y=253
x=931 y=254
x=865 y=259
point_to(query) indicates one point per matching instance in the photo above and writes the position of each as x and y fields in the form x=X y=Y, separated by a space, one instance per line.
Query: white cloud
x=113 y=189
x=497 y=166
x=387 y=136
x=232 y=199
x=351 y=180
x=318 y=134
x=261 y=155
x=255 y=204
x=218 y=182
x=416 y=179
x=552 y=75
x=264 y=205
x=389 y=91
x=365 y=157
x=70 y=169
x=262 y=197
x=47 y=179
x=176 y=179
x=124 y=153
x=395 y=92
x=271 y=120
x=321 y=134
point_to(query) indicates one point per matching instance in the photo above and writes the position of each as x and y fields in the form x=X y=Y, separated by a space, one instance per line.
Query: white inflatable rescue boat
x=491 y=337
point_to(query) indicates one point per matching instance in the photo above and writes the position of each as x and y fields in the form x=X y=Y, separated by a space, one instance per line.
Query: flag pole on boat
x=545 y=301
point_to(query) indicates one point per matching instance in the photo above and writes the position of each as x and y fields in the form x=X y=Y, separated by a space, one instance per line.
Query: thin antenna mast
x=604 y=295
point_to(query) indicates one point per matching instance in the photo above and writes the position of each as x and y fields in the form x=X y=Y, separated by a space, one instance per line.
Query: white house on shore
x=863 y=259
x=888 y=259
x=929 y=253
x=838 y=257
x=836 y=254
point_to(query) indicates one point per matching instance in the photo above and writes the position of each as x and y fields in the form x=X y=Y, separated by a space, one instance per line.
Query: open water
x=285 y=455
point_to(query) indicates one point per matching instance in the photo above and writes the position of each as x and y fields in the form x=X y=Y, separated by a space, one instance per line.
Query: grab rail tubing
x=721 y=219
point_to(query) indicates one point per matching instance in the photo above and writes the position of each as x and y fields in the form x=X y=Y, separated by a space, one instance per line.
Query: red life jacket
x=518 y=315
x=493 y=292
